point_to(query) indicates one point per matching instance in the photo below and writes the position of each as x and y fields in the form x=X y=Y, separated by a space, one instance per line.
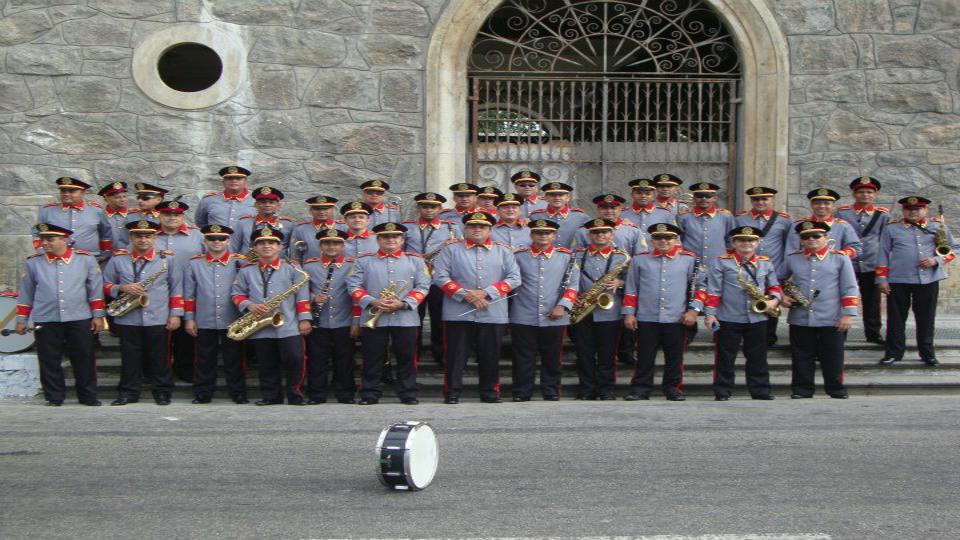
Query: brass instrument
x=790 y=289
x=390 y=291
x=250 y=256
x=250 y=324
x=432 y=254
x=761 y=302
x=941 y=238
x=126 y=302
x=597 y=296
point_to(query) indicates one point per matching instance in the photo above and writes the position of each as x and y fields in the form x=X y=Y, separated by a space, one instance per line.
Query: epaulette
x=95 y=204
x=742 y=212
x=838 y=252
x=168 y=252
x=680 y=212
x=628 y=224
x=523 y=249
x=409 y=221
x=883 y=209
x=644 y=252
x=133 y=211
x=285 y=218
x=238 y=256
x=580 y=250
x=189 y=226
x=82 y=252
x=797 y=252
x=544 y=210
x=312 y=259
x=763 y=258
x=845 y=207
x=251 y=216
x=365 y=254
x=348 y=259
x=578 y=210
x=197 y=256
x=413 y=254
x=784 y=214
x=251 y=263
x=120 y=252
x=937 y=219
x=34 y=255
x=562 y=249
x=685 y=252
x=51 y=204
x=727 y=256
x=841 y=220
x=212 y=193
x=724 y=211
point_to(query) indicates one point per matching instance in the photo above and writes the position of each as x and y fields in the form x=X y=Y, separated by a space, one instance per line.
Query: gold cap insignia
x=265 y=231
x=143 y=224
x=479 y=215
x=912 y=200
x=608 y=198
x=555 y=186
x=215 y=228
x=643 y=183
x=356 y=205
x=747 y=230
x=864 y=179
x=462 y=187
x=117 y=185
x=389 y=227
x=757 y=191
x=332 y=233
x=430 y=197
x=321 y=200
x=266 y=191
x=43 y=227
x=662 y=227
x=509 y=197
x=704 y=185
x=139 y=186
x=664 y=178
x=488 y=189
x=823 y=191
x=174 y=205
x=598 y=223
x=807 y=225
x=376 y=183
x=232 y=170
x=540 y=223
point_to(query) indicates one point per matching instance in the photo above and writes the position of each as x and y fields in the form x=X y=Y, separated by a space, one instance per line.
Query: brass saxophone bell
x=605 y=301
x=944 y=250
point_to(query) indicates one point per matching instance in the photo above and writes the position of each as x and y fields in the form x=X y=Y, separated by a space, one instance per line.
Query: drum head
x=12 y=343
x=423 y=456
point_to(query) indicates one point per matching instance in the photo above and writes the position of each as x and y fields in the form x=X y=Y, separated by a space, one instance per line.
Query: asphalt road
x=875 y=467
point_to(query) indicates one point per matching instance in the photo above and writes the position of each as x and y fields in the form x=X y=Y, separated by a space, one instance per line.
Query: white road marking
x=171 y=418
x=748 y=536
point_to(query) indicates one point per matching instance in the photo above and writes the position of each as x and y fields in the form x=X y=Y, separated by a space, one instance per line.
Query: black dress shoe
x=771 y=342
x=888 y=361
x=763 y=397
x=241 y=400
x=932 y=361
x=634 y=396
x=346 y=401
x=201 y=400
x=162 y=399
x=266 y=402
x=491 y=400
x=54 y=403
x=607 y=397
x=551 y=398
x=451 y=400
x=316 y=401
x=520 y=399
x=840 y=395
x=410 y=401
x=92 y=403
x=586 y=397
x=120 y=401
x=721 y=398
x=368 y=401
x=297 y=402
x=676 y=397
x=877 y=340
x=799 y=396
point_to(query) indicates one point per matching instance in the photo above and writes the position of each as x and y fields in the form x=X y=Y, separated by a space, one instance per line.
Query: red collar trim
x=336 y=262
x=329 y=223
x=424 y=223
x=67 y=255
x=533 y=198
x=146 y=256
x=488 y=244
x=269 y=221
x=224 y=259
x=648 y=208
x=740 y=260
x=712 y=211
x=868 y=208
x=151 y=213
x=380 y=208
x=766 y=214
x=238 y=197
x=275 y=264
x=819 y=254
x=605 y=252
x=465 y=211
x=364 y=234
x=396 y=254
x=183 y=229
x=828 y=219
x=78 y=206
x=113 y=212
x=669 y=254
x=548 y=252
x=562 y=212
x=666 y=200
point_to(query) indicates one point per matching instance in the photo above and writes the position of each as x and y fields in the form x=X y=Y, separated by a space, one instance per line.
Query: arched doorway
x=763 y=89
x=596 y=92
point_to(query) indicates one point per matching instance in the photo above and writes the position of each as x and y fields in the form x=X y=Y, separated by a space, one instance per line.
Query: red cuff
x=176 y=302
x=629 y=300
x=852 y=253
x=356 y=311
x=883 y=271
x=570 y=295
x=948 y=258
x=711 y=300
x=775 y=289
x=450 y=288
x=701 y=295
x=107 y=287
x=417 y=295
x=239 y=299
x=850 y=301
x=358 y=294
x=303 y=306
x=106 y=245
x=189 y=305
x=503 y=287
x=23 y=310
x=97 y=304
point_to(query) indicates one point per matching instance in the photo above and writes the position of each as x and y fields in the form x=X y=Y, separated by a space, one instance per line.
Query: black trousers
x=209 y=345
x=143 y=349
x=183 y=347
x=460 y=339
x=672 y=339
x=76 y=339
x=433 y=304
x=281 y=358
x=812 y=344
x=772 y=323
x=727 y=342
x=870 y=300
x=627 y=348
x=528 y=343
x=596 y=346
x=923 y=300
x=330 y=349
x=402 y=342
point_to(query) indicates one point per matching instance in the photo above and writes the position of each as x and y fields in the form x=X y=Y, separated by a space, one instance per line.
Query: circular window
x=190 y=67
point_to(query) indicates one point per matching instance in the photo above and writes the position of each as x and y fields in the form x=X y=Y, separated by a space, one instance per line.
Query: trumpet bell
x=605 y=301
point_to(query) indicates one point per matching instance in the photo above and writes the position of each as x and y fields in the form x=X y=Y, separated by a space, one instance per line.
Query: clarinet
x=567 y=276
x=317 y=306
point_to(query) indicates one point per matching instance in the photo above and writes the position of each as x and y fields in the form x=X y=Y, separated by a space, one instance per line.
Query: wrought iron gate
x=598 y=92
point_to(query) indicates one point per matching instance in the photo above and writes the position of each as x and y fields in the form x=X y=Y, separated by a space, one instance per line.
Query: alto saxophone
x=390 y=291
x=761 y=302
x=250 y=323
x=790 y=289
x=941 y=238
x=597 y=296
x=429 y=256
x=126 y=302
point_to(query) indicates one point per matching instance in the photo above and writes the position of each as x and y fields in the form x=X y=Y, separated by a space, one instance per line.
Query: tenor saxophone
x=126 y=302
x=761 y=302
x=597 y=296
x=790 y=289
x=941 y=238
x=250 y=324
x=390 y=291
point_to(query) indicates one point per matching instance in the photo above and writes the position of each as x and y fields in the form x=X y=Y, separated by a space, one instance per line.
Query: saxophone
x=432 y=254
x=126 y=302
x=790 y=289
x=390 y=291
x=597 y=296
x=249 y=324
x=761 y=302
x=940 y=238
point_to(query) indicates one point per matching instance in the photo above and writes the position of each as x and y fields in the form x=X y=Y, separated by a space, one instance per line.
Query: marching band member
x=226 y=207
x=279 y=349
x=729 y=311
x=598 y=334
x=667 y=187
x=825 y=280
x=336 y=323
x=527 y=184
x=868 y=221
x=373 y=193
x=359 y=239
x=842 y=233
x=115 y=213
x=303 y=240
x=626 y=235
x=85 y=218
x=209 y=310
x=143 y=331
x=476 y=276
x=464 y=202
x=656 y=307
x=644 y=212
x=427 y=236
x=406 y=278
x=539 y=313
x=148 y=197
x=558 y=210
x=509 y=229
x=268 y=201
x=914 y=252
x=775 y=227
x=706 y=226
x=65 y=302
x=487 y=199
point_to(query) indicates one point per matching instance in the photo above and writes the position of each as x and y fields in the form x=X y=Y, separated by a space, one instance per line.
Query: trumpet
x=391 y=291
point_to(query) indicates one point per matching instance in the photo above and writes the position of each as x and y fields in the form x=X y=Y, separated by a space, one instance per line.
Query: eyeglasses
x=812 y=236
x=146 y=197
x=702 y=195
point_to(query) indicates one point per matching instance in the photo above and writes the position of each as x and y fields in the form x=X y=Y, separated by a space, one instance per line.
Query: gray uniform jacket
x=385 y=213
x=532 y=204
x=216 y=209
x=706 y=235
x=61 y=289
x=844 y=236
x=361 y=244
x=657 y=286
x=829 y=272
x=465 y=265
x=541 y=275
x=374 y=272
x=306 y=232
x=569 y=219
x=240 y=239
x=643 y=217
x=774 y=242
x=248 y=288
x=903 y=245
x=338 y=312
x=514 y=236
x=137 y=215
x=674 y=206
x=626 y=236
x=456 y=216
x=116 y=221
x=425 y=237
x=859 y=218
x=207 y=284
x=165 y=294
x=593 y=266
x=726 y=299
x=90 y=232
x=183 y=244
